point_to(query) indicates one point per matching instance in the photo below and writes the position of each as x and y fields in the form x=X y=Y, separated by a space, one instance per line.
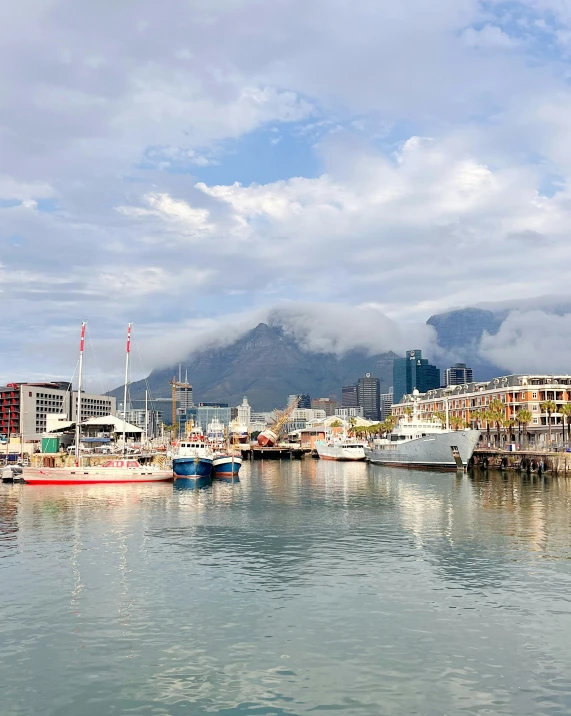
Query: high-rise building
x=386 y=402
x=458 y=374
x=303 y=400
x=413 y=371
x=184 y=397
x=349 y=396
x=244 y=412
x=369 y=396
x=327 y=404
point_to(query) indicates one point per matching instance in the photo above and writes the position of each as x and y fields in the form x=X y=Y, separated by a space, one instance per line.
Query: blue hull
x=193 y=482
x=192 y=467
x=227 y=471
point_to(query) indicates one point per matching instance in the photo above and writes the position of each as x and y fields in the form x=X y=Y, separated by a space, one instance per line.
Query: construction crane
x=176 y=384
x=270 y=437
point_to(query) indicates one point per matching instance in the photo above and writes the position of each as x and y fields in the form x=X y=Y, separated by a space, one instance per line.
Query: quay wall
x=522 y=460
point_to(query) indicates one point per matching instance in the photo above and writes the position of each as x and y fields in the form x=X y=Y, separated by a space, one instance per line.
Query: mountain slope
x=267 y=365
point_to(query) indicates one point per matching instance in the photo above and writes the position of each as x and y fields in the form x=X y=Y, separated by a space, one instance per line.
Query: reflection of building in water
x=9 y=504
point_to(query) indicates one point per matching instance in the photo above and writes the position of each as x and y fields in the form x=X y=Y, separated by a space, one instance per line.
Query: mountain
x=267 y=365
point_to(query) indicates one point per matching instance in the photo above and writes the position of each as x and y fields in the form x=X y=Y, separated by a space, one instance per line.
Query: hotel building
x=516 y=392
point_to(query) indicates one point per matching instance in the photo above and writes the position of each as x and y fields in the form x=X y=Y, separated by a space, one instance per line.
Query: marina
x=309 y=580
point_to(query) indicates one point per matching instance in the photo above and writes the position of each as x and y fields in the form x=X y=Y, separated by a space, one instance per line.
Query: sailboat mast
x=79 y=388
x=146 y=416
x=126 y=386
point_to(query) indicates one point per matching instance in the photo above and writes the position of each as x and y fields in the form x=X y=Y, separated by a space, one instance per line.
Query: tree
x=440 y=415
x=523 y=418
x=510 y=424
x=408 y=411
x=549 y=407
x=565 y=411
x=336 y=424
x=497 y=414
x=352 y=423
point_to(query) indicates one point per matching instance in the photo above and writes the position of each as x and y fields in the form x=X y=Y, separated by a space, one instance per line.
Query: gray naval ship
x=424 y=444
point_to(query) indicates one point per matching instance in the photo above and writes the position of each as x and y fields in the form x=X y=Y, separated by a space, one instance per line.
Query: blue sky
x=193 y=167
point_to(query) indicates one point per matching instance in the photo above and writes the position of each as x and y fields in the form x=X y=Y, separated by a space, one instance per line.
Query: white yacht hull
x=441 y=451
x=93 y=475
x=337 y=452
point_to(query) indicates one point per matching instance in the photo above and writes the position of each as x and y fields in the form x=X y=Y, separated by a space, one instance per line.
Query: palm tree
x=408 y=411
x=509 y=425
x=485 y=417
x=352 y=423
x=497 y=414
x=565 y=411
x=523 y=418
x=549 y=407
x=440 y=415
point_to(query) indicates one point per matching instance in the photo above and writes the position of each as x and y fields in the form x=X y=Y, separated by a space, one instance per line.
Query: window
x=535 y=420
x=534 y=395
x=535 y=407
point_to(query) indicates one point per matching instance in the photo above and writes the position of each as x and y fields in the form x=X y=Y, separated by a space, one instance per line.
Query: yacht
x=426 y=444
x=342 y=448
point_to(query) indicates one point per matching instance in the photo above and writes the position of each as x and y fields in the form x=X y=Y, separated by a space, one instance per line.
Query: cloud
x=531 y=342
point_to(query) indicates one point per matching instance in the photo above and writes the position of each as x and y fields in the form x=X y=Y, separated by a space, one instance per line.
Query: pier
x=522 y=460
x=280 y=452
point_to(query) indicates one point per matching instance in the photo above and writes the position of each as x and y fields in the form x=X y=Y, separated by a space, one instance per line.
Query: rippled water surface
x=310 y=587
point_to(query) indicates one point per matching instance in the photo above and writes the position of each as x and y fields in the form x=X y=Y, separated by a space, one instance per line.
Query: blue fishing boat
x=192 y=464
x=227 y=467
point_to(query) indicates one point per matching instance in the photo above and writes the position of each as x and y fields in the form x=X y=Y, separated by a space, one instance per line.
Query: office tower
x=349 y=396
x=413 y=371
x=369 y=396
x=458 y=374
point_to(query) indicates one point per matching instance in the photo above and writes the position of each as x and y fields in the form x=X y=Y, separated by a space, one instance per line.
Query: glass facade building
x=369 y=396
x=414 y=371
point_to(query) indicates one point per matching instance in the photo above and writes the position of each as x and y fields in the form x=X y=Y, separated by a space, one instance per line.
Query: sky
x=195 y=166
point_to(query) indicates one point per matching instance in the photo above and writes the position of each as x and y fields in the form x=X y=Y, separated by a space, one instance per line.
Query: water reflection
x=309 y=586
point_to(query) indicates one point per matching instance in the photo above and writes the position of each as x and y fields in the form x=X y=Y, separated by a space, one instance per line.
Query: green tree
x=336 y=424
x=523 y=418
x=497 y=415
x=440 y=415
x=549 y=407
x=408 y=411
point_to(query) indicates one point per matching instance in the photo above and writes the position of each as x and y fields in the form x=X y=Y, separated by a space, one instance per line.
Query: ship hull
x=445 y=451
x=192 y=467
x=192 y=482
x=92 y=476
x=335 y=452
x=227 y=468
x=267 y=438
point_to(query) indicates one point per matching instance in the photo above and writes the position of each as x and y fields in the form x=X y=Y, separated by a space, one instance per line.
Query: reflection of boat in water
x=424 y=444
x=192 y=464
x=227 y=467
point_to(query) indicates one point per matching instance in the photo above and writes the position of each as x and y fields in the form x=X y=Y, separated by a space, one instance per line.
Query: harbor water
x=308 y=587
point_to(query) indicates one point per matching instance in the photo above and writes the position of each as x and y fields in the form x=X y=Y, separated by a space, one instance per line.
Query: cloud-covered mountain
x=267 y=364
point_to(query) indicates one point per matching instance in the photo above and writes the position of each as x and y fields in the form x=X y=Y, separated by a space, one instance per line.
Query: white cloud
x=531 y=341
x=489 y=37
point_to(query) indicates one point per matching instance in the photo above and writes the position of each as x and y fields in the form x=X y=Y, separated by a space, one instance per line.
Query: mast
x=447 y=413
x=79 y=387
x=146 y=416
x=126 y=386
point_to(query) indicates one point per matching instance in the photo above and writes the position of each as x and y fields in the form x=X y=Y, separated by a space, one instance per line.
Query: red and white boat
x=111 y=471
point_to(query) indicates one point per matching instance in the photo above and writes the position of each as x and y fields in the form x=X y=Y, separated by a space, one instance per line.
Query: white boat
x=342 y=448
x=424 y=444
x=111 y=471
x=215 y=431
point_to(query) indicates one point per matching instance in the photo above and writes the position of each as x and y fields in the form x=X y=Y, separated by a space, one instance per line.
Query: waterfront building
x=302 y=416
x=206 y=412
x=303 y=400
x=369 y=396
x=24 y=407
x=386 y=403
x=244 y=412
x=413 y=371
x=469 y=403
x=458 y=374
x=149 y=421
x=327 y=404
x=349 y=397
x=346 y=413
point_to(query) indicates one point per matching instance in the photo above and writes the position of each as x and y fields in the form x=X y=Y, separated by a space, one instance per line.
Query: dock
x=521 y=460
x=281 y=452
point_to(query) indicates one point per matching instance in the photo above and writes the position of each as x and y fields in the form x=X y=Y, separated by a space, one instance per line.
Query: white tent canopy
x=112 y=424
